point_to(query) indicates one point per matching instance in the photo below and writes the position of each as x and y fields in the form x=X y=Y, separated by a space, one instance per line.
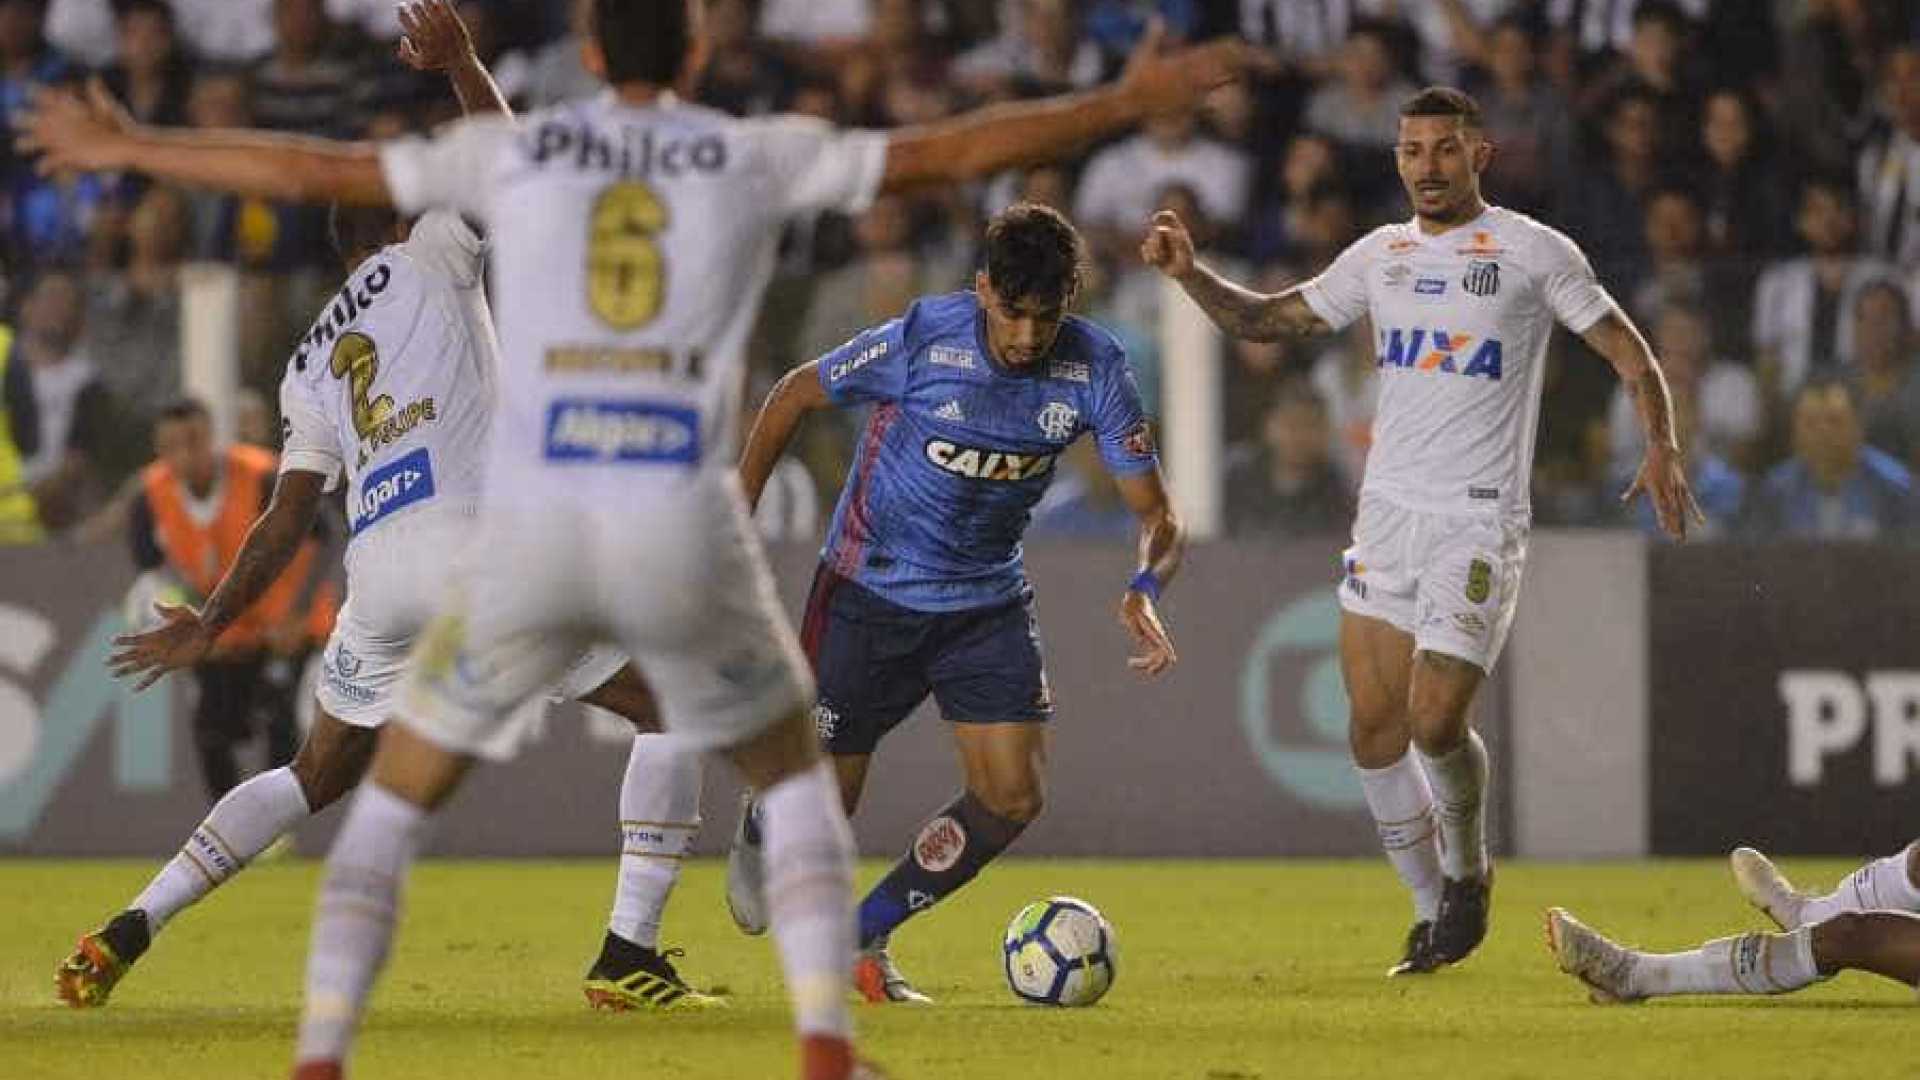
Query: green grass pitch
x=1228 y=971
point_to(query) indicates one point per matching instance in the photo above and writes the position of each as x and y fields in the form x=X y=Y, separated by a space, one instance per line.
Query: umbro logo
x=950 y=411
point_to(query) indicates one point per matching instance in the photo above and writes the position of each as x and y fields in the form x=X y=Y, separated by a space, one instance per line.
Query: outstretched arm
x=796 y=394
x=1163 y=543
x=187 y=636
x=1000 y=137
x=1245 y=314
x=92 y=133
x=1663 y=473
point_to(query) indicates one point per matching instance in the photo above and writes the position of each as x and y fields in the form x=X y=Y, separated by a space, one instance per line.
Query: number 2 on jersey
x=356 y=360
x=626 y=277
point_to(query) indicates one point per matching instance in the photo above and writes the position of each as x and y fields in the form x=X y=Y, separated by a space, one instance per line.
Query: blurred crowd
x=1744 y=174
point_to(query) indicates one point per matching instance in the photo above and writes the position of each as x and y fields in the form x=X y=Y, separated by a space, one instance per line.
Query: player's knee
x=1377 y=735
x=1437 y=731
x=1021 y=802
x=1840 y=940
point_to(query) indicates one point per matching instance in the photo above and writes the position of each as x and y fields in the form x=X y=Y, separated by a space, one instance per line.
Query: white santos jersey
x=1461 y=324
x=631 y=246
x=394 y=384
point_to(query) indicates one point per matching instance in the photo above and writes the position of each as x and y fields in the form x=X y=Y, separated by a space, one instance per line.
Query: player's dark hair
x=645 y=41
x=1293 y=391
x=183 y=408
x=358 y=231
x=1034 y=252
x=1443 y=101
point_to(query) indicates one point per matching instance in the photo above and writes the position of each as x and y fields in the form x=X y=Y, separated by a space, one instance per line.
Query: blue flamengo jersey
x=957 y=449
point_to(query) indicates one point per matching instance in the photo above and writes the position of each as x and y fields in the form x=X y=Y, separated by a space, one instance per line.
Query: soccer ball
x=1060 y=951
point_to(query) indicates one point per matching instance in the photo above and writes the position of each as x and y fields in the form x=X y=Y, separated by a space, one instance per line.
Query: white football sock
x=1402 y=806
x=1460 y=797
x=240 y=826
x=1881 y=885
x=809 y=859
x=659 y=813
x=359 y=906
x=1749 y=964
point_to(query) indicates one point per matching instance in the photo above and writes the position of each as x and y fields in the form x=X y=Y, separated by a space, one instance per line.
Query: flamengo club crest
x=1483 y=277
x=1057 y=421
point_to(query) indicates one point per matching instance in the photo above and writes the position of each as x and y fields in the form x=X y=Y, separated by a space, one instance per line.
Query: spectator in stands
x=1676 y=274
x=744 y=75
x=1309 y=165
x=1729 y=411
x=1118 y=189
x=49 y=217
x=1835 y=487
x=1360 y=108
x=1651 y=67
x=19 y=441
x=229 y=32
x=133 y=314
x=1039 y=48
x=150 y=77
x=1883 y=371
x=1611 y=187
x=302 y=86
x=1525 y=117
x=1801 y=306
x=1290 y=486
x=1739 y=182
x=75 y=411
x=1828 y=52
x=1890 y=165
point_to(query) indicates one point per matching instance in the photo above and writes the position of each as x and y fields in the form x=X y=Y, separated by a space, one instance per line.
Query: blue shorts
x=876 y=661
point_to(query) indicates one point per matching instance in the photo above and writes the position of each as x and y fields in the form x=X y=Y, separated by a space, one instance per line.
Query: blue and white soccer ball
x=1060 y=951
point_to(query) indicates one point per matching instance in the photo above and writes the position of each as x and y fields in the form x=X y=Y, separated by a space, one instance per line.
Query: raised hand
x=435 y=39
x=1163 y=79
x=1168 y=247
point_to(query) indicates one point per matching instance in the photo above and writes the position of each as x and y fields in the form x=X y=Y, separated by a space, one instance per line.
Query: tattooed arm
x=1663 y=474
x=1241 y=312
x=186 y=636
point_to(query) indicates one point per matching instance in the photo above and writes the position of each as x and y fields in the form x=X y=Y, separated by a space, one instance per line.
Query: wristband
x=1146 y=585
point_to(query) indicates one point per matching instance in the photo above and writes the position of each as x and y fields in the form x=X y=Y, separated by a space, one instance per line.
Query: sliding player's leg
x=1887 y=884
x=1885 y=943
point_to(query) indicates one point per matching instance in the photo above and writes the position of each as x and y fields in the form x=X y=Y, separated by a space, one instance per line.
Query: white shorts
x=397 y=579
x=1450 y=580
x=672 y=573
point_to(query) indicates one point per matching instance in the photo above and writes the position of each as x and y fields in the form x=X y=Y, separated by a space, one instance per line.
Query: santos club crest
x=1483 y=277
